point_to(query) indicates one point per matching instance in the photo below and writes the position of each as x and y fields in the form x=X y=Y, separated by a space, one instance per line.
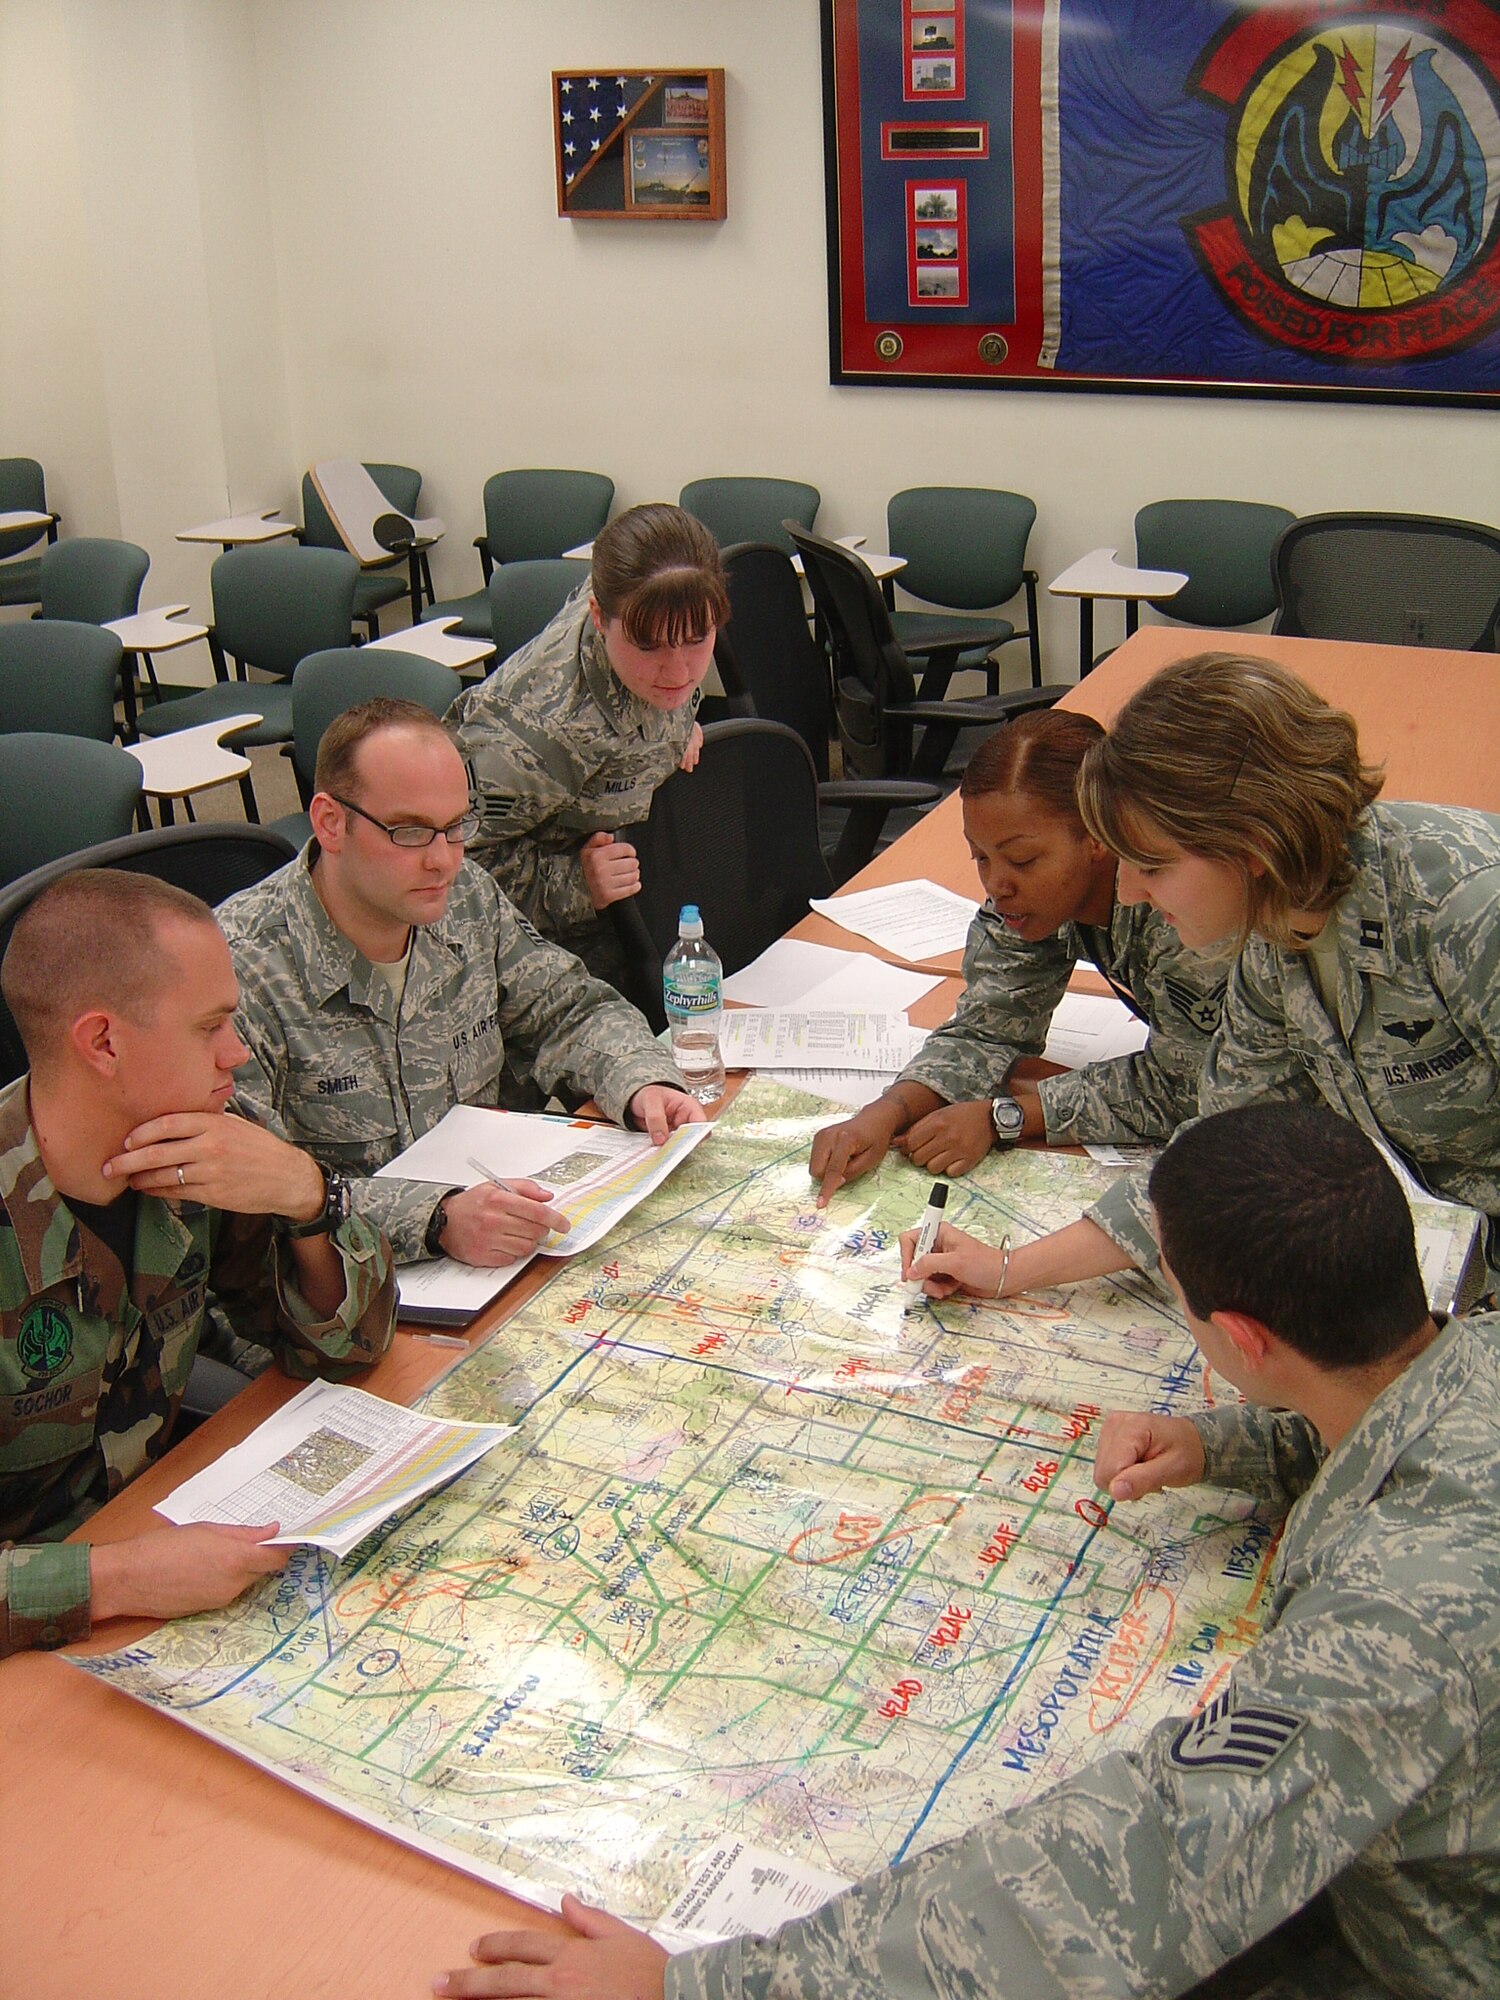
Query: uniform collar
x=1363 y=912
x=627 y=714
x=330 y=964
x=1403 y=1412
x=48 y=1239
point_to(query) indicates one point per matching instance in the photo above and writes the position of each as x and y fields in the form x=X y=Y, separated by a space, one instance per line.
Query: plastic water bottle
x=692 y=986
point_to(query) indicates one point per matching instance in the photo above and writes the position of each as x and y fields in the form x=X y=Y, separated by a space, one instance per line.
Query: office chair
x=751 y=510
x=377 y=586
x=1223 y=547
x=770 y=667
x=1390 y=580
x=965 y=548
x=738 y=837
x=60 y=676
x=273 y=605
x=325 y=684
x=59 y=794
x=23 y=489
x=875 y=701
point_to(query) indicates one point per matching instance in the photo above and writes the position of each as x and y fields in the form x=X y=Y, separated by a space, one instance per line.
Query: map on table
x=782 y=1554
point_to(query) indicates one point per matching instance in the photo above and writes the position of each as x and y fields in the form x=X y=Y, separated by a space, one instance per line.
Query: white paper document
x=788 y=1038
x=913 y=920
x=595 y=1172
x=792 y=973
x=329 y=1466
x=1450 y=1241
x=741 y=1891
x=1091 y=1027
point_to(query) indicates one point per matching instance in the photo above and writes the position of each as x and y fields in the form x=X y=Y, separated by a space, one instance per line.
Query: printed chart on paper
x=780 y=1555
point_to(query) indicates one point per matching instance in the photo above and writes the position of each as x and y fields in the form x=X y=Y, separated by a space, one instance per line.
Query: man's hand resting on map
x=598 y=1958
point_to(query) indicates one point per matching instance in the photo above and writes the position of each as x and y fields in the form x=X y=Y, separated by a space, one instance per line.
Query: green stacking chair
x=92 y=579
x=273 y=605
x=1223 y=547
x=327 y=683
x=22 y=488
x=59 y=676
x=386 y=584
x=751 y=509
x=965 y=550
x=61 y=793
x=529 y=516
x=525 y=597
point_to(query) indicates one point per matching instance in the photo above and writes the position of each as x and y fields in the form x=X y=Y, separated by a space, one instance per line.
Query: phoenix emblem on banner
x=1363 y=170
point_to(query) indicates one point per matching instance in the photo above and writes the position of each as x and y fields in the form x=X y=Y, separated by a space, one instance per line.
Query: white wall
x=372 y=264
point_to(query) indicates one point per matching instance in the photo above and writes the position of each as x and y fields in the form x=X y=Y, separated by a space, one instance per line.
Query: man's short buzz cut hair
x=339 y=744
x=90 y=940
x=1288 y=1214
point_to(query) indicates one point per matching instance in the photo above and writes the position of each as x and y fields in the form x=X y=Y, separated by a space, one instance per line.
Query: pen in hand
x=560 y=1227
x=932 y=1222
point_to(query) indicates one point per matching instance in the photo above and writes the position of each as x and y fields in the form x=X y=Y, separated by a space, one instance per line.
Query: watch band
x=335 y=1209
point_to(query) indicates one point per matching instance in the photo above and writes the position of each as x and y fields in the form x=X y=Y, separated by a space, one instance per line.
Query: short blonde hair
x=1234 y=759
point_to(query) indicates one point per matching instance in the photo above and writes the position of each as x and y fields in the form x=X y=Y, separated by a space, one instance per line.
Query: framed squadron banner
x=1169 y=195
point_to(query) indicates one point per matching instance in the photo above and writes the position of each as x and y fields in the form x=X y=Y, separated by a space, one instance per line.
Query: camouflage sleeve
x=1123 y=1212
x=252 y=1274
x=1274 y=1454
x=1461 y=959
x=576 y=1029
x=1010 y=991
x=399 y=1210
x=522 y=776
x=44 y=1595
x=1128 y=1101
x=1148 y=1872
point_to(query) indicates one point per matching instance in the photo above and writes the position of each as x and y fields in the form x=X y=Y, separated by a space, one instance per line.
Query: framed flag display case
x=641 y=143
x=1297 y=199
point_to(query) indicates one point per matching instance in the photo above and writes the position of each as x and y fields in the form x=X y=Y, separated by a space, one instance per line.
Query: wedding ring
x=181 y=1178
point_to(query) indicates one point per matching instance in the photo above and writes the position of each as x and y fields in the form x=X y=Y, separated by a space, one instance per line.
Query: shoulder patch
x=1222 y=1737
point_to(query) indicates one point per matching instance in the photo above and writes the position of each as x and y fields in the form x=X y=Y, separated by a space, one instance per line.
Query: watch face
x=1008 y=1119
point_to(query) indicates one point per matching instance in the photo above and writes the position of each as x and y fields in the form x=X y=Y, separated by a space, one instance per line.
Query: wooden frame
x=1262 y=201
x=635 y=144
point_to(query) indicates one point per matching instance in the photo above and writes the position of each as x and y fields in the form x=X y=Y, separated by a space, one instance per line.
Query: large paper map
x=780 y=1553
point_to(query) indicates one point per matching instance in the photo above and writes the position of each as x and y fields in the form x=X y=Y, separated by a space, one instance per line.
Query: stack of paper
x=792 y=973
x=912 y=920
x=330 y=1466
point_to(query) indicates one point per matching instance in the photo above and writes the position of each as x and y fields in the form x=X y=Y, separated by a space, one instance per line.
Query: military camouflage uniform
x=94 y=1359
x=1010 y=991
x=559 y=748
x=1414 y=1054
x=335 y=1069
x=1355 y=1748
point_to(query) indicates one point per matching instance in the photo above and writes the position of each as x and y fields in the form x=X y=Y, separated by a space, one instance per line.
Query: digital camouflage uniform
x=1414 y=1054
x=333 y=1068
x=1355 y=1748
x=1010 y=991
x=559 y=748
x=94 y=1360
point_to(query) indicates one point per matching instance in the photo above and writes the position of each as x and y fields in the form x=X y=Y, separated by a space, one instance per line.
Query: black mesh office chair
x=1389 y=579
x=770 y=667
x=209 y=861
x=738 y=837
x=874 y=693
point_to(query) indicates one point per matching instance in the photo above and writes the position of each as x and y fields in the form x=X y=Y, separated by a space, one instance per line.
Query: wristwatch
x=1007 y=1119
x=335 y=1209
x=437 y=1222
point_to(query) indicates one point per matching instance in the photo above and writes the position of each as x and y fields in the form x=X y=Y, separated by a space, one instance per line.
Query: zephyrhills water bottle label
x=700 y=996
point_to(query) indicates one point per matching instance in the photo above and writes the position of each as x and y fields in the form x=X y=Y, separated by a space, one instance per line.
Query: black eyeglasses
x=457 y=832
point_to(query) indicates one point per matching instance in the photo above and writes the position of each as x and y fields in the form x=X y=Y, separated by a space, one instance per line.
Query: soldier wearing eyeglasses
x=384 y=979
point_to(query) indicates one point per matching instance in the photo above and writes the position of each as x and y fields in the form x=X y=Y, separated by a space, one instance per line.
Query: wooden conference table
x=145 y=1863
